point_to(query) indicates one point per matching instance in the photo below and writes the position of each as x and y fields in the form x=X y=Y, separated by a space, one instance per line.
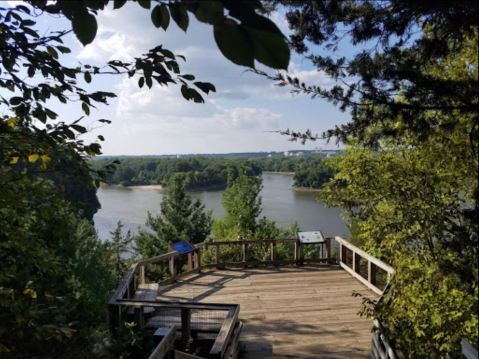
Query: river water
x=280 y=203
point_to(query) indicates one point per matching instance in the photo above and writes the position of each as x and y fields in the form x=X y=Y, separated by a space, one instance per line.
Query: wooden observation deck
x=248 y=299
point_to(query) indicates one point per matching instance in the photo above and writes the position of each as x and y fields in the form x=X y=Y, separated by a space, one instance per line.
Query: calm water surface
x=280 y=203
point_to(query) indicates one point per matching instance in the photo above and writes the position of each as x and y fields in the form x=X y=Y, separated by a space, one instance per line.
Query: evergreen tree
x=120 y=247
x=242 y=204
x=180 y=218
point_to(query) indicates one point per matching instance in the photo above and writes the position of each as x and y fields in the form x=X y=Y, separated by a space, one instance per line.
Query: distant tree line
x=213 y=172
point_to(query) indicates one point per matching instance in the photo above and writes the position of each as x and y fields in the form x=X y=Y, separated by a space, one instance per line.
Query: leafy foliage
x=199 y=172
x=397 y=43
x=242 y=204
x=406 y=205
x=49 y=304
x=234 y=22
x=213 y=172
x=120 y=247
x=180 y=219
x=48 y=257
x=313 y=174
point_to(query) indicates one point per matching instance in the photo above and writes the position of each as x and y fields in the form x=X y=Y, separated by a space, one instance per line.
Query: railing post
x=217 y=255
x=373 y=273
x=369 y=272
x=296 y=252
x=243 y=254
x=142 y=274
x=301 y=254
x=340 y=252
x=171 y=263
x=190 y=262
x=328 y=249
x=273 y=252
x=197 y=257
x=354 y=260
x=185 y=326
x=139 y=316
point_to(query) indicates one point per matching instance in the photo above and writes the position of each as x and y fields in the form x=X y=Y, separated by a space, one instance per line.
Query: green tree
x=242 y=204
x=55 y=275
x=181 y=219
x=120 y=247
x=48 y=258
x=413 y=204
x=394 y=44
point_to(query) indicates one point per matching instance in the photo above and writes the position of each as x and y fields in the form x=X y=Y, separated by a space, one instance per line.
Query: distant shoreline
x=160 y=188
x=151 y=187
x=278 y=173
x=306 y=189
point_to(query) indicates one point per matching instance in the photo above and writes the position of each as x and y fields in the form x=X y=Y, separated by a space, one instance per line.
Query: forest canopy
x=310 y=171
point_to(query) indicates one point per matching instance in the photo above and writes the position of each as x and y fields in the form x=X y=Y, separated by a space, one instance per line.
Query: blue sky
x=237 y=118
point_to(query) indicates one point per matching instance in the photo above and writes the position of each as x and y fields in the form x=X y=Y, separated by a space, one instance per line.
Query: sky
x=240 y=117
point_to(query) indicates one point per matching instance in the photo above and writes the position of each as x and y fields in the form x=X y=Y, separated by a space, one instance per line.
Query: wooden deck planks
x=288 y=312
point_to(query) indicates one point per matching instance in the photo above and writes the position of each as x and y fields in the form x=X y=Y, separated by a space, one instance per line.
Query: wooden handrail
x=167 y=256
x=223 y=338
x=248 y=241
x=165 y=346
x=380 y=347
x=369 y=281
x=370 y=258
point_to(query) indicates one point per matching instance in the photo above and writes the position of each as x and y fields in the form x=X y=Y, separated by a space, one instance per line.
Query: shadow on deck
x=288 y=312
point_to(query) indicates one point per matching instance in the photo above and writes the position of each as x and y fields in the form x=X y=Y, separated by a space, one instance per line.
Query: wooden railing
x=171 y=266
x=165 y=347
x=264 y=251
x=375 y=274
x=369 y=270
x=137 y=273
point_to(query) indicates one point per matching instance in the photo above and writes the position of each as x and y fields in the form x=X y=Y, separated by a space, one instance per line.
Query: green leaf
x=156 y=16
x=53 y=53
x=141 y=82
x=210 y=12
x=188 y=77
x=270 y=48
x=206 y=87
x=31 y=71
x=167 y=53
x=85 y=27
x=78 y=128
x=165 y=16
x=63 y=49
x=85 y=108
x=148 y=81
x=87 y=77
x=234 y=43
x=191 y=94
x=179 y=15
x=160 y=16
x=144 y=3
x=51 y=114
x=118 y=3
x=15 y=101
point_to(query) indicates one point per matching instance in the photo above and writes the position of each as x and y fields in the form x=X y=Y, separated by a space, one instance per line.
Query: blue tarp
x=182 y=247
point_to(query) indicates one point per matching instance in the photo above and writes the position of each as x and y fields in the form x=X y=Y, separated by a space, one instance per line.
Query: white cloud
x=235 y=118
x=110 y=46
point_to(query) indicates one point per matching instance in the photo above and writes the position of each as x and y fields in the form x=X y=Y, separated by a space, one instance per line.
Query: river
x=280 y=203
